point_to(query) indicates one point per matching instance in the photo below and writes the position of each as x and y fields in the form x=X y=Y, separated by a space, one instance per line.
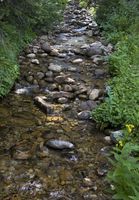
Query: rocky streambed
x=49 y=146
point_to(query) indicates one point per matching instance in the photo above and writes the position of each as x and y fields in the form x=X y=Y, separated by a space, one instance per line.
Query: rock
x=57 y=95
x=62 y=100
x=59 y=144
x=95 y=48
x=116 y=136
x=49 y=74
x=61 y=79
x=40 y=75
x=99 y=72
x=81 y=89
x=35 y=61
x=55 y=68
x=94 y=94
x=88 y=105
x=67 y=88
x=102 y=170
x=72 y=69
x=106 y=151
x=28 y=90
x=40 y=101
x=31 y=55
x=46 y=47
x=43 y=55
x=30 y=79
x=107 y=139
x=77 y=61
x=70 y=80
x=22 y=155
x=84 y=115
x=44 y=37
x=54 y=52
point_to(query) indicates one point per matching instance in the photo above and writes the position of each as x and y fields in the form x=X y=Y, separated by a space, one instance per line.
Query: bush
x=125 y=175
x=19 y=21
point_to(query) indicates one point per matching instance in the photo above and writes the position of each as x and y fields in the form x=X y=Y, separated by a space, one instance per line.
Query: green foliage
x=125 y=174
x=122 y=104
x=19 y=20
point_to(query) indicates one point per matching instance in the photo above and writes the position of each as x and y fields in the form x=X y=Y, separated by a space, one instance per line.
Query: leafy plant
x=125 y=174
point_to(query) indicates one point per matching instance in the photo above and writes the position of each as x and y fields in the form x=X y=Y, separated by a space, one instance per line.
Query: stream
x=63 y=77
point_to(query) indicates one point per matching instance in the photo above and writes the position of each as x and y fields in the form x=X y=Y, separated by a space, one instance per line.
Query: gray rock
x=62 y=100
x=59 y=144
x=43 y=55
x=102 y=170
x=88 y=105
x=61 y=79
x=99 y=72
x=95 y=49
x=40 y=75
x=94 y=94
x=84 y=115
x=49 y=74
x=46 y=47
x=116 y=136
x=55 y=68
x=67 y=88
x=54 y=52
x=30 y=79
x=77 y=61
x=57 y=95
x=35 y=61
x=31 y=55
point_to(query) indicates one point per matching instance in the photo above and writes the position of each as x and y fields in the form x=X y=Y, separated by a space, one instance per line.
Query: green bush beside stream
x=120 y=22
x=19 y=21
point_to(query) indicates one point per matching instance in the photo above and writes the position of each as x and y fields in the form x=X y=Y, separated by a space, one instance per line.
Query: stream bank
x=62 y=80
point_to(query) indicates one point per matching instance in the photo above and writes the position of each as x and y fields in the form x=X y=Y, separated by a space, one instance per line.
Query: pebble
x=116 y=136
x=84 y=115
x=31 y=55
x=94 y=94
x=59 y=144
x=55 y=68
x=35 y=61
x=77 y=61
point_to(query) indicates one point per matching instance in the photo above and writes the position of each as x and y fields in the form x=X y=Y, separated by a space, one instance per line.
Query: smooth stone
x=55 y=67
x=59 y=144
x=62 y=100
x=70 y=80
x=49 y=74
x=61 y=79
x=35 y=61
x=107 y=139
x=40 y=101
x=27 y=90
x=95 y=48
x=99 y=72
x=84 y=115
x=67 y=88
x=88 y=105
x=30 y=79
x=40 y=75
x=46 y=47
x=77 y=61
x=54 y=52
x=43 y=55
x=116 y=136
x=94 y=94
x=31 y=55
x=72 y=69
x=57 y=95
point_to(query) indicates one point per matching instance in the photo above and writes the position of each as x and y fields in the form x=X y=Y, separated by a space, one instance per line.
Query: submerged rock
x=59 y=144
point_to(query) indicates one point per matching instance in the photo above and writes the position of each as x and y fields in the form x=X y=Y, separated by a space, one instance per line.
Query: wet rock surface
x=60 y=84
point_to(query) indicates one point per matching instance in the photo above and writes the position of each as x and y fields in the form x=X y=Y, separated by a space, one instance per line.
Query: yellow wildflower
x=129 y=127
x=120 y=143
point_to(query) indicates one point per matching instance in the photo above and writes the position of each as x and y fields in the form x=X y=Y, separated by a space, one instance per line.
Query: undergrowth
x=19 y=23
x=120 y=22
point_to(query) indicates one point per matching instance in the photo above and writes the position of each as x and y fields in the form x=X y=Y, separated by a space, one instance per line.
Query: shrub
x=125 y=175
